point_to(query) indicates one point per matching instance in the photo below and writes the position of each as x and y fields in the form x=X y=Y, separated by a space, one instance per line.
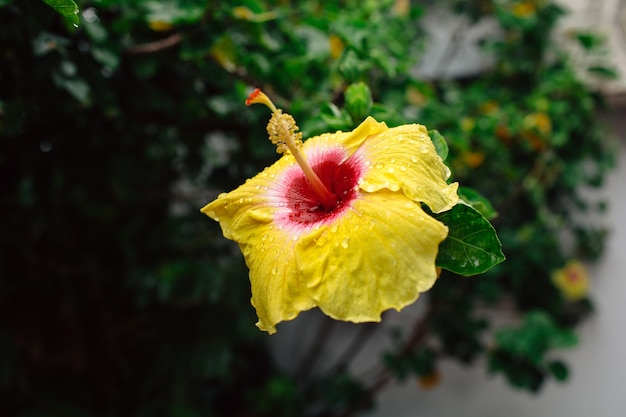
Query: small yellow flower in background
x=473 y=159
x=467 y=124
x=572 y=280
x=336 y=46
x=537 y=128
x=337 y=222
x=244 y=13
x=489 y=107
x=415 y=96
x=524 y=9
x=429 y=381
x=401 y=8
x=160 y=25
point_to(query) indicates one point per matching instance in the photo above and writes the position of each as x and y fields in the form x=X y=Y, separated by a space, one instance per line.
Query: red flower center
x=340 y=178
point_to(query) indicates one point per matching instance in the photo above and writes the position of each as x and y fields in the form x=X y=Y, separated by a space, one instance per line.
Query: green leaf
x=173 y=12
x=472 y=246
x=440 y=143
x=479 y=202
x=604 y=72
x=66 y=8
x=559 y=370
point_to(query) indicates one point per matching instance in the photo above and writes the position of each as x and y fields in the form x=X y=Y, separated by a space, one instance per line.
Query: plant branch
x=366 y=330
x=156 y=46
x=418 y=335
x=311 y=355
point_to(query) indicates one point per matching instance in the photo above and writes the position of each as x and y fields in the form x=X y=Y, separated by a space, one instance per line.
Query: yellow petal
x=246 y=216
x=404 y=158
x=379 y=255
x=278 y=294
x=368 y=129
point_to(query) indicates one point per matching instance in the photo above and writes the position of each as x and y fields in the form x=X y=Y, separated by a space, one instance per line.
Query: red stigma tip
x=252 y=96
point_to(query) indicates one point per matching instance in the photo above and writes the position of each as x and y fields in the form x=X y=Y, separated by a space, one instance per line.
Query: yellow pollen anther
x=283 y=132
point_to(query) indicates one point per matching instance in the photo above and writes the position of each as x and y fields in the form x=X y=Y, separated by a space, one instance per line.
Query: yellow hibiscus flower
x=572 y=280
x=337 y=222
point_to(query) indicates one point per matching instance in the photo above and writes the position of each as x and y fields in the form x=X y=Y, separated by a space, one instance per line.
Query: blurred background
x=120 y=119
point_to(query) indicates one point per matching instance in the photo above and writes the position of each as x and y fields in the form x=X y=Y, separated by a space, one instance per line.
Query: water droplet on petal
x=345 y=243
x=424 y=149
x=414 y=158
x=274 y=271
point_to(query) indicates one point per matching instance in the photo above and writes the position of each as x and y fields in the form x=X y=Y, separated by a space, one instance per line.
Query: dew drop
x=334 y=228
x=379 y=165
x=345 y=243
x=274 y=271
x=403 y=168
x=295 y=238
x=414 y=158
x=424 y=149
x=391 y=170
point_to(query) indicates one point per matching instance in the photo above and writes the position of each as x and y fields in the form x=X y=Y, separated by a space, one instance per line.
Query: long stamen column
x=283 y=133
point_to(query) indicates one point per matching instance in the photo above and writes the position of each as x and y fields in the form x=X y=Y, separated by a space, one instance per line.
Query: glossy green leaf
x=440 y=143
x=66 y=8
x=478 y=202
x=472 y=246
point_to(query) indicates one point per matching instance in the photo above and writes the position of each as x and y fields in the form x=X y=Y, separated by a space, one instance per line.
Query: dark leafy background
x=119 y=299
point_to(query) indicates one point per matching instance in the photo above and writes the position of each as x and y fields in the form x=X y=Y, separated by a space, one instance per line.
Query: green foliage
x=472 y=246
x=520 y=353
x=119 y=298
x=66 y=8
